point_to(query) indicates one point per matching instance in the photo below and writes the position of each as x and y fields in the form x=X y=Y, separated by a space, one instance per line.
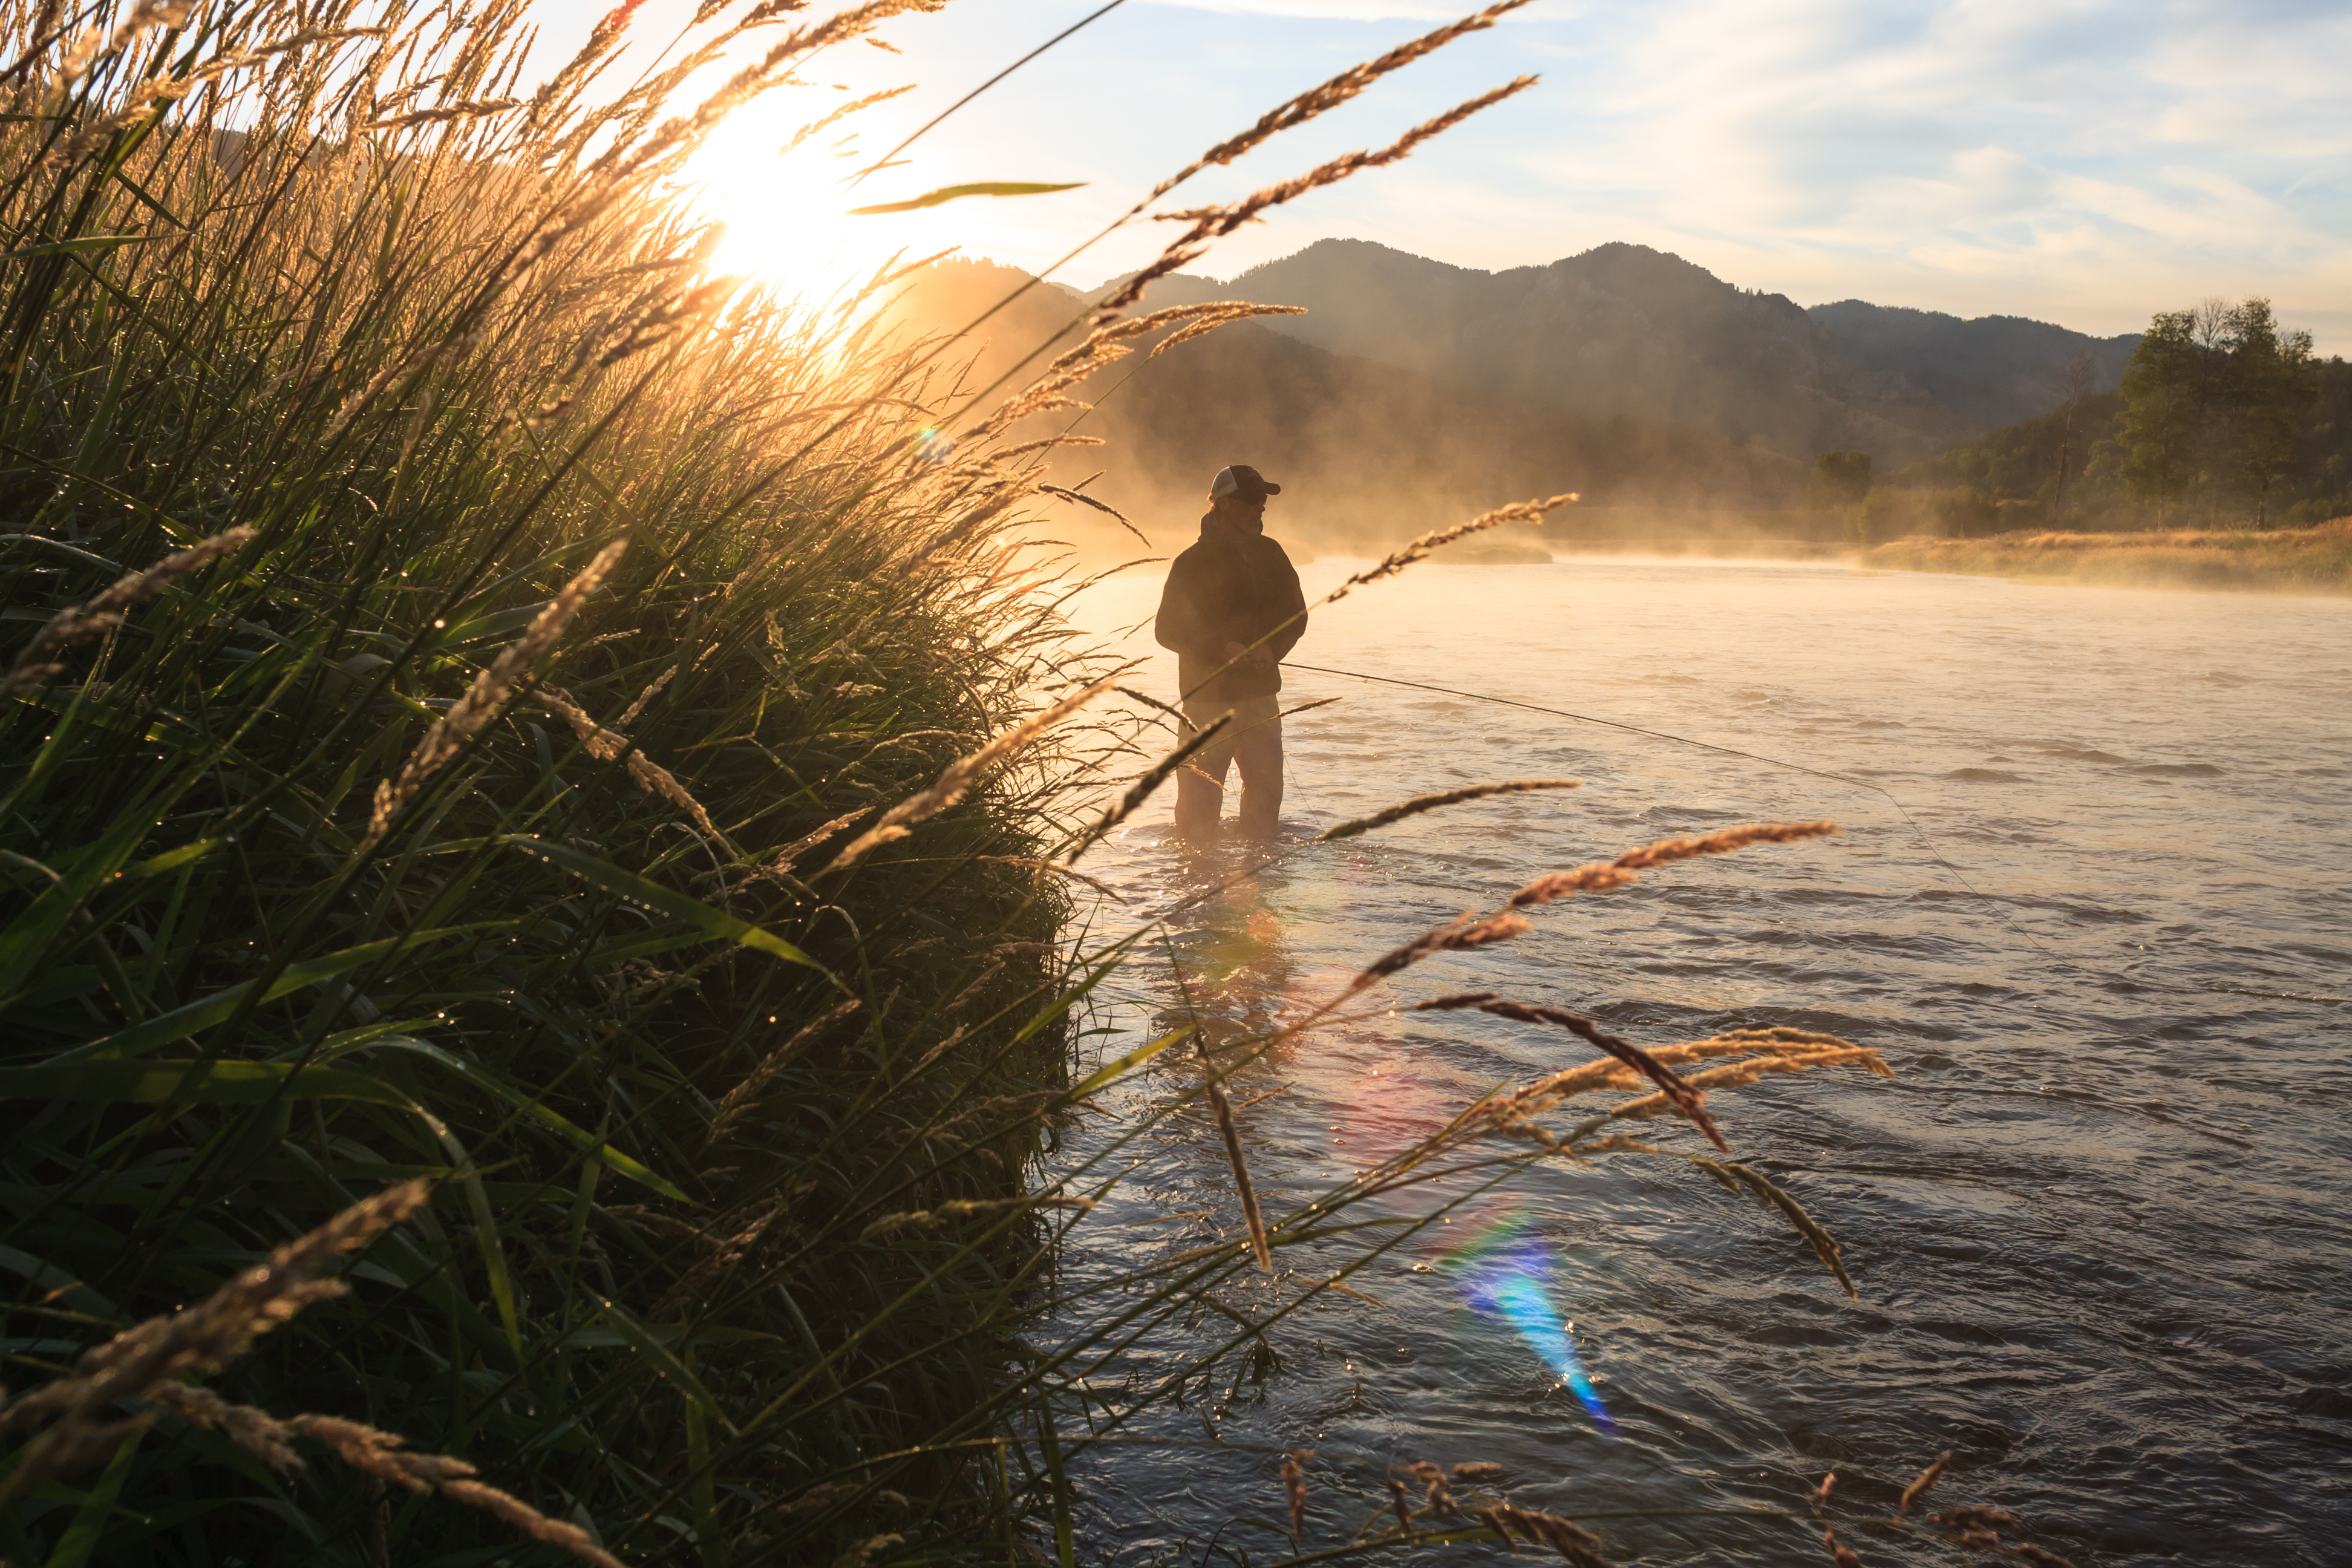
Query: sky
x=2072 y=161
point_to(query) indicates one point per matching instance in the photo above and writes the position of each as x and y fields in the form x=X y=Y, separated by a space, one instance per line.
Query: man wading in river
x=1231 y=610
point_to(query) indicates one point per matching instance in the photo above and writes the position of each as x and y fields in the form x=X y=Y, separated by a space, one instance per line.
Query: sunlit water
x=2097 y=1220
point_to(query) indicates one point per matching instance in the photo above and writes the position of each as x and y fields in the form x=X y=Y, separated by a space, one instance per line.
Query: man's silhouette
x=1231 y=610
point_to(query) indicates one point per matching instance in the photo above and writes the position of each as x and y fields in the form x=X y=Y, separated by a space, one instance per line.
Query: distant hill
x=1366 y=450
x=1622 y=330
x=1992 y=371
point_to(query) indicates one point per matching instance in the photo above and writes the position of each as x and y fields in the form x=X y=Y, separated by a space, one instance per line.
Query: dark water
x=2096 y=1220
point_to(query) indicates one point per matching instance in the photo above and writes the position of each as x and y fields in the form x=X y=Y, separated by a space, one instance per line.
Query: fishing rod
x=1926 y=843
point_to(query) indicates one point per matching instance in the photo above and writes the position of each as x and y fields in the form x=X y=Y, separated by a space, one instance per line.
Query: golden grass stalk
x=1421 y=803
x=256 y=1432
x=739 y=1099
x=1800 y=1048
x=473 y=712
x=2040 y=1557
x=808 y=841
x=1033 y=863
x=1402 y=1503
x=1244 y=1187
x=867 y=1551
x=1330 y=94
x=1732 y=1175
x=1600 y=876
x=967 y=1208
x=1684 y=1097
x=1066 y=493
x=1043 y=443
x=1492 y=1518
x=383 y=1455
x=1838 y=1553
x=1294 y=1490
x=102 y=614
x=1421 y=548
x=1209 y=224
x=605 y=745
x=955 y=781
x=1919 y=1488
x=197 y=1340
x=1572 y=1541
x=1106 y=346
x=1740 y=1075
x=1237 y=311
x=842 y=112
x=528 y=1520
x=653 y=690
x=1440 y=1500
x=1465 y=932
x=1141 y=790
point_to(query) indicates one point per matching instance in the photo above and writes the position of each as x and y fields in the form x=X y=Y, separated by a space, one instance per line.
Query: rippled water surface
x=2096 y=1220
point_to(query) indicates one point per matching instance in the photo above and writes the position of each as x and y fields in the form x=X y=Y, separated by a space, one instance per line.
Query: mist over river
x=2096 y=1220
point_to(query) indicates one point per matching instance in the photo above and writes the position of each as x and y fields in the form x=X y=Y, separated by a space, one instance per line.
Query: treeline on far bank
x=2221 y=420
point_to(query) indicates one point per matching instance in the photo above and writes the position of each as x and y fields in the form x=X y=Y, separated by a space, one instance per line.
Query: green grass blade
x=714 y=924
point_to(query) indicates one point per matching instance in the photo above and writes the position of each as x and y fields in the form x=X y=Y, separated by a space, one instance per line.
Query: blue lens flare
x=1506 y=1275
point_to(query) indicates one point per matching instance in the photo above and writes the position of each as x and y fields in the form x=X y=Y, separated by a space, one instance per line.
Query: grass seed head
x=1928 y=1478
x=1294 y=1488
x=1402 y=1502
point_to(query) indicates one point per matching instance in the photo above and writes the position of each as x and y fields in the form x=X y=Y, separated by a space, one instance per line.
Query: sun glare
x=786 y=211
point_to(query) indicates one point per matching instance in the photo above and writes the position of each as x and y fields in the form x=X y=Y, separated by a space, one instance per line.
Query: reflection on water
x=2096 y=1220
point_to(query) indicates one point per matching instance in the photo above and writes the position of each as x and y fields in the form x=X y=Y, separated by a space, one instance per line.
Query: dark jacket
x=1229 y=589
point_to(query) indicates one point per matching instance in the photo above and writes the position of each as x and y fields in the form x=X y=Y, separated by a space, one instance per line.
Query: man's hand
x=1246 y=655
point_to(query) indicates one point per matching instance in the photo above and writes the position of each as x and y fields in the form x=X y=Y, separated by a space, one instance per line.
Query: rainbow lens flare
x=1504 y=1272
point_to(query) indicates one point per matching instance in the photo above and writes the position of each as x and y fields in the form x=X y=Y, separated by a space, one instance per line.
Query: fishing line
x=1926 y=843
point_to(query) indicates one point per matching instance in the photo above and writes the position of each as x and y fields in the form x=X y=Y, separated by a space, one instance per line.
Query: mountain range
x=1412 y=392
x=1623 y=329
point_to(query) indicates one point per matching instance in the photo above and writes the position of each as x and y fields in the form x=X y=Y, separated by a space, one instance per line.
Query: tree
x=2075 y=377
x=1840 y=478
x=2158 y=432
x=2268 y=371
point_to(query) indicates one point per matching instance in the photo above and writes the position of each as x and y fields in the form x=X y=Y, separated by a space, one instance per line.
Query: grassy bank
x=454 y=634
x=2301 y=560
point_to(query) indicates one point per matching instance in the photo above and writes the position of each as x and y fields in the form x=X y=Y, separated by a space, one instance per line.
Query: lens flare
x=1504 y=1271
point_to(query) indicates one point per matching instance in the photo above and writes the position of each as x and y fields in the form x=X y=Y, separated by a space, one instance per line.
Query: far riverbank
x=2299 y=560
x=2296 y=560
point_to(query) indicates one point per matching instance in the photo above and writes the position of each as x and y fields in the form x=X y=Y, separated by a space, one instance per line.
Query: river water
x=2096 y=1220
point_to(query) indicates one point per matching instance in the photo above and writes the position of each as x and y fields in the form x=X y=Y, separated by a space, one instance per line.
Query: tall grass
x=515 y=769
x=461 y=810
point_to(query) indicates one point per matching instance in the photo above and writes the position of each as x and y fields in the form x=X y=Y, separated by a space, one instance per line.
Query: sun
x=784 y=201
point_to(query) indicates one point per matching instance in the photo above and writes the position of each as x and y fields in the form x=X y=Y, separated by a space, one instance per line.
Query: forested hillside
x=2222 y=417
x=1623 y=329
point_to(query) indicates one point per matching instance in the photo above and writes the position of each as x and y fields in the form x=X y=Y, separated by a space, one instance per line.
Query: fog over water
x=2096 y=1220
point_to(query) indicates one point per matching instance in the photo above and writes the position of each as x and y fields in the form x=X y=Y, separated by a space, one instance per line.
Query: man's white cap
x=1240 y=478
